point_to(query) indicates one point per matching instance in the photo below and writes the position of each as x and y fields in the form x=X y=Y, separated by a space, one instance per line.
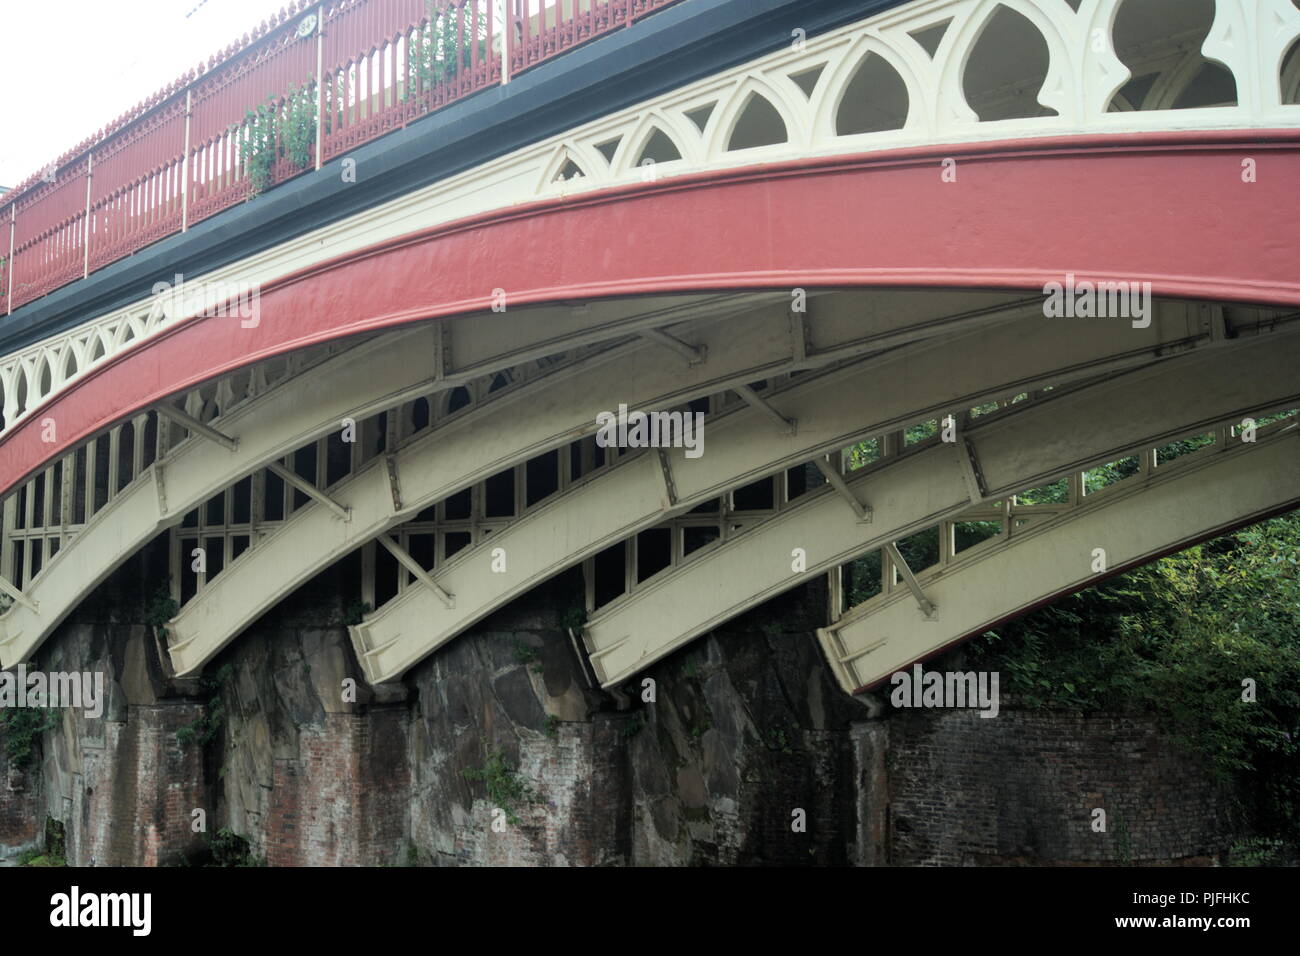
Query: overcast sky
x=71 y=66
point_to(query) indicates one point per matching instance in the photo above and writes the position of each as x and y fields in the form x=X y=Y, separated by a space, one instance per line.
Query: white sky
x=89 y=61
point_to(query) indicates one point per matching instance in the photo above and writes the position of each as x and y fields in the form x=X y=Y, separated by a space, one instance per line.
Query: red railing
x=318 y=80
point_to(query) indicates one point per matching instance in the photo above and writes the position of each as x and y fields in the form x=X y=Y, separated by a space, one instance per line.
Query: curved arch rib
x=743 y=446
x=1180 y=504
x=313 y=403
x=1024 y=448
x=557 y=409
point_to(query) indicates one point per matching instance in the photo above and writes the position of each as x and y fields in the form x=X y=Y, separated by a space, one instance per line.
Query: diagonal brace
x=927 y=606
x=754 y=400
x=836 y=481
x=695 y=355
x=404 y=558
x=189 y=422
x=310 y=490
x=16 y=594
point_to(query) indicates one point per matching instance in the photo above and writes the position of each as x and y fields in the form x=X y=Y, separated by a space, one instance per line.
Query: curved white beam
x=1134 y=521
x=272 y=425
x=1024 y=448
x=745 y=445
x=561 y=407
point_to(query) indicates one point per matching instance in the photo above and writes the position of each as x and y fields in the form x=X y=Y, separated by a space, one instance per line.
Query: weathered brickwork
x=21 y=804
x=748 y=754
x=343 y=800
x=1022 y=787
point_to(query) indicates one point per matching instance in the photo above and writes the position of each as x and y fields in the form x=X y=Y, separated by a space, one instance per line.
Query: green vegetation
x=444 y=48
x=574 y=617
x=634 y=726
x=282 y=128
x=230 y=849
x=526 y=655
x=225 y=848
x=205 y=728
x=355 y=612
x=778 y=740
x=21 y=728
x=506 y=788
x=1184 y=638
x=54 y=848
x=161 y=610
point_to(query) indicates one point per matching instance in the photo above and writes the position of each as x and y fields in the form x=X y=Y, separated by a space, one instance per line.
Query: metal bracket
x=754 y=400
x=799 y=338
x=310 y=490
x=394 y=485
x=694 y=355
x=404 y=558
x=160 y=488
x=927 y=606
x=970 y=469
x=836 y=481
x=666 y=472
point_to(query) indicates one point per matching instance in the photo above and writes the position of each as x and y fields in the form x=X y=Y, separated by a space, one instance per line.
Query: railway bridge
x=976 y=301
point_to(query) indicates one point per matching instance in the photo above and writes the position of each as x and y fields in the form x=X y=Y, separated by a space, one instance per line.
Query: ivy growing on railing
x=281 y=128
x=444 y=47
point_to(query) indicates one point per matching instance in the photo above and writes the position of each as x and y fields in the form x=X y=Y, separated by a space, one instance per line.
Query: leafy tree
x=1177 y=638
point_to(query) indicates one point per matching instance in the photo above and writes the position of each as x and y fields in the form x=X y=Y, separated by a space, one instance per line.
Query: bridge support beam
x=924 y=603
x=836 y=481
x=1029 y=445
x=618 y=505
x=1181 y=503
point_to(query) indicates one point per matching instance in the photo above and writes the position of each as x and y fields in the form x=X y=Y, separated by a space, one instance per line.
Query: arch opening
x=1006 y=69
x=875 y=99
x=1160 y=42
x=760 y=124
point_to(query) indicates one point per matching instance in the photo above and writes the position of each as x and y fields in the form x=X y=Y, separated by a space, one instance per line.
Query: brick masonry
x=748 y=754
x=1023 y=787
x=21 y=822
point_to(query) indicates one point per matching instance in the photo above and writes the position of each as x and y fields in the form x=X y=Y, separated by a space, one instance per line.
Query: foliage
x=573 y=618
x=505 y=787
x=161 y=610
x=230 y=849
x=444 y=48
x=21 y=728
x=633 y=726
x=1177 y=639
x=282 y=128
x=55 y=848
x=205 y=728
x=1258 y=851
x=355 y=612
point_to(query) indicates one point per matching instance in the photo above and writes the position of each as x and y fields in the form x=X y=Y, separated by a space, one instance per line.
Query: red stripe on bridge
x=1170 y=209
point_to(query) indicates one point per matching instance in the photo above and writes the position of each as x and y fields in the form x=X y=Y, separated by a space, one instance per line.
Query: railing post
x=320 y=89
x=185 y=165
x=13 y=225
x=507 y=42
x=85 y=249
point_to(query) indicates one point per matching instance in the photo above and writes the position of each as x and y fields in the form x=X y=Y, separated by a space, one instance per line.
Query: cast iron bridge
x=461 y=231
